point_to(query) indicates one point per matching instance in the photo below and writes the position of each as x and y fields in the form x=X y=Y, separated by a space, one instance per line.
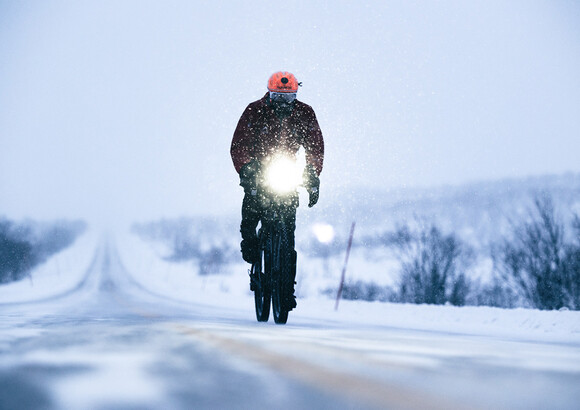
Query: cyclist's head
x=283 y=88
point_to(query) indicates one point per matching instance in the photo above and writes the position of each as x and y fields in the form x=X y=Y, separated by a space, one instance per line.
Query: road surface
x=111 y=344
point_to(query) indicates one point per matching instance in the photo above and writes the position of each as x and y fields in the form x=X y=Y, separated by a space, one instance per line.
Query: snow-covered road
x=111 y=343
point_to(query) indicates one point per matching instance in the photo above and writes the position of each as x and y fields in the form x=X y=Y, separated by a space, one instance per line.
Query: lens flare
x=323 y=232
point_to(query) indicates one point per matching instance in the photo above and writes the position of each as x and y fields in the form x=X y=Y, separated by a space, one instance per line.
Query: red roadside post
x=339 y=294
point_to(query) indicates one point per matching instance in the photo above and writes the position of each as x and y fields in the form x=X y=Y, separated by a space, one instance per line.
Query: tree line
x=204 y=242
x=537 y=265
x=25 y=245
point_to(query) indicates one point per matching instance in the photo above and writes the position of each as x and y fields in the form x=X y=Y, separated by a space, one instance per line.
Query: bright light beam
x=283 y=175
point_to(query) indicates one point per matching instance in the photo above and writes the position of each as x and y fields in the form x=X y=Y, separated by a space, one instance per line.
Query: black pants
x=252 y=214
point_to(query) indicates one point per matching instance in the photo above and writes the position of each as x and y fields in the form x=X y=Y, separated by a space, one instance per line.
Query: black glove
x=313 y=194
x=310 y=178
x=248 y=174
x=312 y=184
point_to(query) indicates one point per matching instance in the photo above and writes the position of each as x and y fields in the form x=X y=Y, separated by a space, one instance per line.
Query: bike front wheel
x=282 y=289
x=262 y=285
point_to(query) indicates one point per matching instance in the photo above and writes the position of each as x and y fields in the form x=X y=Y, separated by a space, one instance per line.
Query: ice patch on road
x=122 y=378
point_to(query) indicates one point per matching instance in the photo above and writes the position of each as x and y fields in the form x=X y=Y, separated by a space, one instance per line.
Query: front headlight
x=283 y=175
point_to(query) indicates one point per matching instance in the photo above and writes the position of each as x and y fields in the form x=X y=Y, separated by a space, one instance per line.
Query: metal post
x=339 y=294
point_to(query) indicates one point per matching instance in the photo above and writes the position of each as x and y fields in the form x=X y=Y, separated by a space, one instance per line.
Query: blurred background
x=124 y=110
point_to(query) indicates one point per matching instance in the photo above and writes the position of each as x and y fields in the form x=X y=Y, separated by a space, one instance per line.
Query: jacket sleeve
x=243 y=140
x=314 y=143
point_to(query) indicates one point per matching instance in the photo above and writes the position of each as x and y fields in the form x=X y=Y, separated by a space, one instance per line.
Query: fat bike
x=272 y=276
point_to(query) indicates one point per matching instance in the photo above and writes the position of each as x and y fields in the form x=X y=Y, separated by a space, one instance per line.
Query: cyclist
x=277 y=123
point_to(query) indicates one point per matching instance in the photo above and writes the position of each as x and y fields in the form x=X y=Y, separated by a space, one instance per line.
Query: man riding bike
x=276 y=124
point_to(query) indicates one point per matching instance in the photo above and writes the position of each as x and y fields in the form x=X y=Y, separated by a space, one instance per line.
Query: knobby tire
x=261 y=271
x=281 y=258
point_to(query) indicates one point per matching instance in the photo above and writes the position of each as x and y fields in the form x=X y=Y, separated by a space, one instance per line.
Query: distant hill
x=479 y=212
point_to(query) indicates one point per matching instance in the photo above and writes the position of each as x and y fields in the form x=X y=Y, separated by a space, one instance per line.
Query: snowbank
x=59 y=274
x=231 y=289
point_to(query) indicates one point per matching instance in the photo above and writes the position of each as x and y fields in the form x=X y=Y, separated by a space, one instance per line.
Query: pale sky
x=126 y=109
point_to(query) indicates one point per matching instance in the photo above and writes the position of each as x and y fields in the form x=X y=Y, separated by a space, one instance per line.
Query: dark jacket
x=261 y=133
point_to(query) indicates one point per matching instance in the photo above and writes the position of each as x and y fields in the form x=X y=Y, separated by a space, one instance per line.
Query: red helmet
x=283 y=82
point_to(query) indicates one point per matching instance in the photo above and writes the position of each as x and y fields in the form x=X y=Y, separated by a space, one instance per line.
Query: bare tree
x=16 y=254
x=432 y=266
x=539 y=263
x=572 y=268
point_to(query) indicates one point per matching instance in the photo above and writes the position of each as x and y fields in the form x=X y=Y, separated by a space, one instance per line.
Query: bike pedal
x=291 y=303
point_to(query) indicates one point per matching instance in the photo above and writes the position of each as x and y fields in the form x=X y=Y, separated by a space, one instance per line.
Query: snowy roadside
x=231 y=289
x=59 y=274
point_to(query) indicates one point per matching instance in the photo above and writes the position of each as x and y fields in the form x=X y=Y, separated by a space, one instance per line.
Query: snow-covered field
x=231 y=289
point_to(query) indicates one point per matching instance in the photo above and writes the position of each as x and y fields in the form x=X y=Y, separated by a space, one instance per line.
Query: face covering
x=282 y=109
